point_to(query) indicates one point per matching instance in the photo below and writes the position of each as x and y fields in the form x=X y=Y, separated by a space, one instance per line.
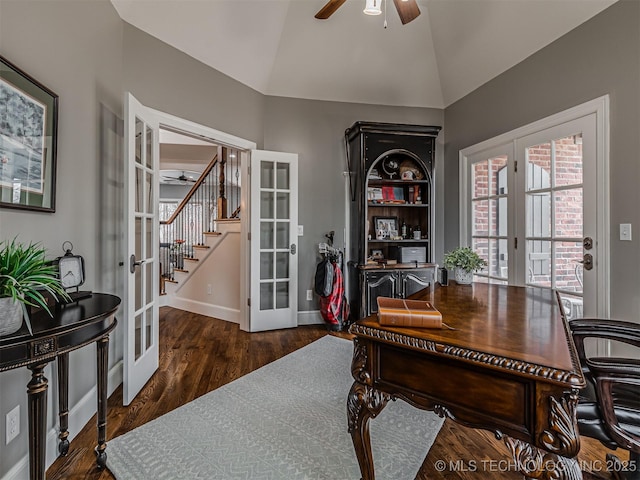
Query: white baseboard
x=310 y=317
x=79 y=415
x=216 y=311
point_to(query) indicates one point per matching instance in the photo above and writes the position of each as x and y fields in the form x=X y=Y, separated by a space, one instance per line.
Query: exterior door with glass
x=536 y=208
x=558 y=216
x=141 y=319
x=273 y=246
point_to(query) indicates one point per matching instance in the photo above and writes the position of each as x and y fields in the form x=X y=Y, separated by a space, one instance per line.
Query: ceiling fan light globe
x=372 y=7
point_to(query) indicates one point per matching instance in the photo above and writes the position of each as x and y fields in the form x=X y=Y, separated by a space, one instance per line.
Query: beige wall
x=217 y=272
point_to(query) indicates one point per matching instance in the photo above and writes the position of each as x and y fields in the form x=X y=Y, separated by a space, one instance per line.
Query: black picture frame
x=385 y=227
x=28 y=141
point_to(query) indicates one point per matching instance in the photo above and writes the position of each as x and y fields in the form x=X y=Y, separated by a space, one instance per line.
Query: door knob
x=293 y=249
x=587 y=261
x=133 y=264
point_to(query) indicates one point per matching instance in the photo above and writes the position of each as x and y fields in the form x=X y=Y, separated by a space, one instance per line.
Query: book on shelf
x=400 y=312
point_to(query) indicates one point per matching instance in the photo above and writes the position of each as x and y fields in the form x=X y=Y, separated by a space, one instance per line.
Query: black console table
x=73 y=326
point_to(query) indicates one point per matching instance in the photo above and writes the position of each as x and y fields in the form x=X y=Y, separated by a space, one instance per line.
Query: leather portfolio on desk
x=400 y=312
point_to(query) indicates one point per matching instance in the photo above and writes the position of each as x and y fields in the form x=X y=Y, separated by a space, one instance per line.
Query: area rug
x=286 y=420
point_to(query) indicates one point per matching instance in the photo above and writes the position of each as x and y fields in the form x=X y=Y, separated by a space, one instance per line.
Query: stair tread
x=201 y=246
x=212 y=233
x=171 y=281
x=191 y=259
x=180 y=270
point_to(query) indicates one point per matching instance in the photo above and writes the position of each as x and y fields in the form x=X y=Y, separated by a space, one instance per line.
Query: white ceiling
x=277 y=47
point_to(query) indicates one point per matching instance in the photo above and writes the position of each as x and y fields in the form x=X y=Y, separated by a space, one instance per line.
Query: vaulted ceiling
x=278 y=48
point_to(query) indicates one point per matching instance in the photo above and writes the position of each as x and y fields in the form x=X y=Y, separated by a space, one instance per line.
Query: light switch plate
x=625 y=231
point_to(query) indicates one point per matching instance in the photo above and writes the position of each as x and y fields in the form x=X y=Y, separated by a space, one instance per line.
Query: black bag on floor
x=324 y=278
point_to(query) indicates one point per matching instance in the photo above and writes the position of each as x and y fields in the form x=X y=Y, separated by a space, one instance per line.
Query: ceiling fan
x=181 y=178
x=407 y=9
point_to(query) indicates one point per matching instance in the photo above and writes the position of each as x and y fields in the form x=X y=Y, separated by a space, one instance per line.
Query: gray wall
x=75 y=49
x=89 y=57
x=600 y=57
x=315 y=131
x=166 y=79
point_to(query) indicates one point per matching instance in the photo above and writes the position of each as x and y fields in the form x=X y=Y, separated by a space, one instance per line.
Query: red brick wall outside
x=567 y=204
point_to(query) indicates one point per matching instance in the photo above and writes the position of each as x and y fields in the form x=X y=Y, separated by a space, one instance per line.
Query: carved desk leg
x=363 y=403
x=103 y=360
x=63 y=403
x=37 y=397
x=535 y=463
x=560 y=440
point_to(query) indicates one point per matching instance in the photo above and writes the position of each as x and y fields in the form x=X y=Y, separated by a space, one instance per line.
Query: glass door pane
x=489 y=216
x=274 y=221
x=554 y=214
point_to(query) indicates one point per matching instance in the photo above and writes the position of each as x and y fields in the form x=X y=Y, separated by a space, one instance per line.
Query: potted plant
x=464 y=261
x=25 y=277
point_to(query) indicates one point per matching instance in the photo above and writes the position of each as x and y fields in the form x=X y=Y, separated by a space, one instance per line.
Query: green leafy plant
x=464 y=258
x=26 y=276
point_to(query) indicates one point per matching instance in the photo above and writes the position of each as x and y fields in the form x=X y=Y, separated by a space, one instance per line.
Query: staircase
x=192 y=232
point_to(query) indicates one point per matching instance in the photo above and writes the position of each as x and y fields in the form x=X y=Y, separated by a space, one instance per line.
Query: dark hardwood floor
x=199 y=354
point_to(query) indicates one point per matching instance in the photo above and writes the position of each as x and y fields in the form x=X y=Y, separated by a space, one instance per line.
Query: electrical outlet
x=309 y=294
x=209 y=289
x=13 y=424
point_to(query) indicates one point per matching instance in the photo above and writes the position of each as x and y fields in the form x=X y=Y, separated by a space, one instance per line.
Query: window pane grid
x=489 y=217
x=554 y=214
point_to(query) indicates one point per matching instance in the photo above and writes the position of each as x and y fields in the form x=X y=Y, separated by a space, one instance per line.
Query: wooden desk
x=509 y=366
x=72 y=326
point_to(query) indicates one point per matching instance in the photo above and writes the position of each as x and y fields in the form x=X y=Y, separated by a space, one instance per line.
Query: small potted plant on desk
x=464 y=261
x=25 y=278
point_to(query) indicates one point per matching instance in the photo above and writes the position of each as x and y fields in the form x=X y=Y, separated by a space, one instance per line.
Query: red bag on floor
x=334 y=307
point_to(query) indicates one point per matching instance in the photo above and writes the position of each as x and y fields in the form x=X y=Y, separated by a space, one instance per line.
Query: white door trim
x=245 y=146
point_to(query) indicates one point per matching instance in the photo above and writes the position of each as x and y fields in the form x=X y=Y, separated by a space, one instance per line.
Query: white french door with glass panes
x=141 y=318
x=559 y=212
x=274 y=236
x=491 y=219
x=535 y=205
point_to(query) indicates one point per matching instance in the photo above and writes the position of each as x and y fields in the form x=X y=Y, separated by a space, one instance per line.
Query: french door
x=535 y=208
x=141 y=322
x=558 y=212
x=274 y=236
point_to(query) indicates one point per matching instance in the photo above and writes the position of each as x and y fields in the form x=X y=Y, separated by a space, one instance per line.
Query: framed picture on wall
x=28 y=141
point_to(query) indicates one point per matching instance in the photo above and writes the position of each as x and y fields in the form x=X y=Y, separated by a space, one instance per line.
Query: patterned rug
x=286 y=420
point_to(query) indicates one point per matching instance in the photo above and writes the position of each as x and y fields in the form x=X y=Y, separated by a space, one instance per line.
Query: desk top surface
x=502 y=327
x=65 y=317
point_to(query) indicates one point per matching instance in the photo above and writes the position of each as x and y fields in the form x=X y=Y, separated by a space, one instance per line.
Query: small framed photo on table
x=386 y=227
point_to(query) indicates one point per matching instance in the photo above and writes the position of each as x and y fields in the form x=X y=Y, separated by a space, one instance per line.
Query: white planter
x=10 y=316
x=463 y=277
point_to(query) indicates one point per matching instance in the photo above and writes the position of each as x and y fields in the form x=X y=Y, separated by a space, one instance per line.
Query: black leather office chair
x=609 y=407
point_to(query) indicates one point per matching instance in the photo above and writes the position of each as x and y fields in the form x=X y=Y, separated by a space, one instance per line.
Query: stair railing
x=197 y=213
x=186 y=227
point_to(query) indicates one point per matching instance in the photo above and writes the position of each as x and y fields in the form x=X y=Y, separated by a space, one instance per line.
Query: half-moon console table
x=73 y=326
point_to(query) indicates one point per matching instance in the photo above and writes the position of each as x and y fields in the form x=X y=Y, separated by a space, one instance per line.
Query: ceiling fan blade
x=328 y=10
x=407 y=9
